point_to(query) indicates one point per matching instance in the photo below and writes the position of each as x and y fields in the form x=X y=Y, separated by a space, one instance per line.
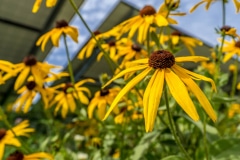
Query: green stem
x=106 y=55
x=171 y=122
x=235 y=76
x=70 y=70
x=205 y=137
x=223 y=13
x=219 y=59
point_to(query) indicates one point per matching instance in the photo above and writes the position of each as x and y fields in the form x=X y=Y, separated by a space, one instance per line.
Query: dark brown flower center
x=161 y=59
x=237 y=44
x=30 y=60
x=112 y=43
x=16 y=156
x=97 y=32
x=2 y=133
x=68 y=88
x=225 y=28
x=147 y=11
x=31 y=85
x=136 y=48
x=61 y=24
x=176 y=33
x=104 y=92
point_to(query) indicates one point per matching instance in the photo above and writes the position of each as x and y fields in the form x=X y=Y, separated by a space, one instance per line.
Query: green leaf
x=222 y=99
x=155 y=38
x=226 y=149
x=173 y=158
x=143 y=145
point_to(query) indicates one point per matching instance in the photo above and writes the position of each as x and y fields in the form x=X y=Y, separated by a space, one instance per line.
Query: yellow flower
x=209 y=2
x=167 y=8
x=34 y=156
x=130 y=50
x=62 y=28
x=209 y=66
x=163 y=65
x=38 y=70
x=6 y=71
x=101 y=99
x=143 y=22
x=176 y=38
x=70 y=93
x=111 y=47
x=37 y=4
x=230 y=31
x=7 y=137
x=27 y=94
x=230 y=48
x=234 y=108
x=87 y=50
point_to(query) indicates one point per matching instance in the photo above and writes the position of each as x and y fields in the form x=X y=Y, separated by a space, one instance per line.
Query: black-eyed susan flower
x=143 y=23
x=111 y=48
x=228 y=30
x=7 y=137
x=30 y=65
x=130 y=50
x=6 y=71
x=179 y=80
x=168 y=8
x=62 y=28
x=230 y=48
x=101 y=100
x=37 y=4
x=17 y=155
x=27 y=94
x=87 y=50
x=177 y=38
x=68 y=95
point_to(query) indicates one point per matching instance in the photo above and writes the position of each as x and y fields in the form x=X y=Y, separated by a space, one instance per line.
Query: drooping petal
x=180 y=93
x=125 y=89
x=198 y=76
x=21 y=78
x=196 y=91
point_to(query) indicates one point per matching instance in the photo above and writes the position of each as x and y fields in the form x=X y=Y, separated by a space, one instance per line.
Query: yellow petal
x=122 y=73
x=55 y=36
x=195 y=6
x=196 y=91
x=21 y=78
x=51 y=3
x=38 y=156
x=198 y=76
x=125 y=89
x=191 y=59
x=72 y=32
x=36 y=6
x=180 y=94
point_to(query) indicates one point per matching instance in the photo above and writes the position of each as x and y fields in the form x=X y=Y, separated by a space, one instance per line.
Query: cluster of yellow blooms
x=157 y=71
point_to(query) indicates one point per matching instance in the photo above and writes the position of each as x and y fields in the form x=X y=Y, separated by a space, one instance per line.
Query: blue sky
x=199 y=24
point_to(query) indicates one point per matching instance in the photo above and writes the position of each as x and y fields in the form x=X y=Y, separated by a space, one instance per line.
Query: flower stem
x=219 y=59
x=106 y=55
x=171 y=122
x=205 y=137
x=223 y=13
x=70 y=70
x=235 y=76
